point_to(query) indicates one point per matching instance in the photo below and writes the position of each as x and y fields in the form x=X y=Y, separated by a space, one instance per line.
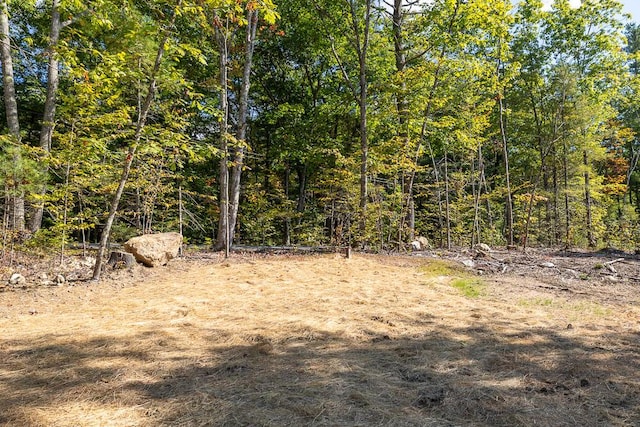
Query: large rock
x=420 y=244
x=153 y=250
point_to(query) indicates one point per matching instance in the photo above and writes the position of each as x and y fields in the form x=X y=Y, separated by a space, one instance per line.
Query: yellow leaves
x=235 y=12
x=615 y=189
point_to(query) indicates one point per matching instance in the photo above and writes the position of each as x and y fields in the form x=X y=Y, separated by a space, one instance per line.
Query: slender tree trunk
x=362 y=47
x=241 y=135
x=359 y=40
x=15 y=199
x=223 y=241
x=287 y=191
x=587 y=200
x=556 y=202
x=48 y=118
x=446 y=196
x=635 y=158
x=567 y=213
x=402 y=107
x=427 y=114
x=438 y=188
x=142 y=121
x=475 y=232
x=302 y=188
x=505 y=153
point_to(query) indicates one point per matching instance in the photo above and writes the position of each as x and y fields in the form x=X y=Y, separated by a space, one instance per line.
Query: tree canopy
x=312 y=122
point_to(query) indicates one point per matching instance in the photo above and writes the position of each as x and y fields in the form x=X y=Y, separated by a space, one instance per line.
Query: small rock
x=415 y=245
x=43 y=276
x=17 y=279
x=60 y=279
x=584 y=382
x=547 y=264
x=612 y=278
x=468 y=263
x=569 y=326
x=88 y=261
x=483 y=247
x=33 y=311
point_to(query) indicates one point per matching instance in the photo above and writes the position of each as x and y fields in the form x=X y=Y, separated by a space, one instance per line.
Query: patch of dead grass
x=311 y=340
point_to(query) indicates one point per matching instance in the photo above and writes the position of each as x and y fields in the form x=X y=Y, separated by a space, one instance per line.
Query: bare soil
x=323 y=340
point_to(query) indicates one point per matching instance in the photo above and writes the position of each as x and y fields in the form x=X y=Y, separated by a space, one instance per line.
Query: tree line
x=320 y=122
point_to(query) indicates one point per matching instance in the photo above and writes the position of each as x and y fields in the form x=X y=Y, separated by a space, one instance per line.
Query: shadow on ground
x=473 y=376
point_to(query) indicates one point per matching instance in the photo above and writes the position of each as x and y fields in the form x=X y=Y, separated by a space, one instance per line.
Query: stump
x=119 y=259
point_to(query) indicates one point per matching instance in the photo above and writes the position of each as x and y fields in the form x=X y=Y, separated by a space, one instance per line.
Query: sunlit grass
x=470 y=287
x=438 y=267
x=576 y=309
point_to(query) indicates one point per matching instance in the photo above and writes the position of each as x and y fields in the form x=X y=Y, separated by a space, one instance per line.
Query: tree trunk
x=142 y=121
x=635 y=157
x=359 y=40
x=402 y=108
x=302 y=189
x=565 y=164
x=505 y=153
x=222 y=240
x=287 y=190
x=446 y=197
x=241 y=134
x=475 y=232
x=587 y=200
x=362 y=49
x=48 y=118
x=15 y=199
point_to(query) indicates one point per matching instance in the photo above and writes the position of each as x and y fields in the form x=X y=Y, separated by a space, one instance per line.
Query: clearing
x=323 y=340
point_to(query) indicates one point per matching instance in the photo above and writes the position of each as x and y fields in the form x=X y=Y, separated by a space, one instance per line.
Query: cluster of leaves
x=441 y=77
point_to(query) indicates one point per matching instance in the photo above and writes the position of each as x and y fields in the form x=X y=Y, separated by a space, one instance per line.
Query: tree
x=230 y=180
x=143 y=114
x=350 y=29
x=48 y=116
x=15 y=192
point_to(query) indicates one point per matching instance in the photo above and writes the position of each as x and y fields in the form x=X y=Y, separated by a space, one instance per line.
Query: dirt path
x=319 y=340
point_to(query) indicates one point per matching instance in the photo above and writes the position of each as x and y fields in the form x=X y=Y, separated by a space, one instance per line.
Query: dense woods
x=308 y=122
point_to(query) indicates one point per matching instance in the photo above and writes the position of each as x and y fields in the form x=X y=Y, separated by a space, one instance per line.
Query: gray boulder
x=154 y=250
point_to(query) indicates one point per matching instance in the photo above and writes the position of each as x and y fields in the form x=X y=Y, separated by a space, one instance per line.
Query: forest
x=320 y=122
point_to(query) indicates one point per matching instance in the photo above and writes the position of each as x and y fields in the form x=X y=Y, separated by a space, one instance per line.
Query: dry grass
x=319 y=340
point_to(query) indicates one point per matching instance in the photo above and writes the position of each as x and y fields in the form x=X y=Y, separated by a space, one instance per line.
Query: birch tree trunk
x=48 y=118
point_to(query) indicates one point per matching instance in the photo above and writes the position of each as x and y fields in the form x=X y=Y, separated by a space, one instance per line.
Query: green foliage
x=568 y=83
x=470 y=288
x=437 y=268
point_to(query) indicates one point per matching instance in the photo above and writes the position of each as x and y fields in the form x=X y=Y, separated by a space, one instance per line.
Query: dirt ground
x=545 y=339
